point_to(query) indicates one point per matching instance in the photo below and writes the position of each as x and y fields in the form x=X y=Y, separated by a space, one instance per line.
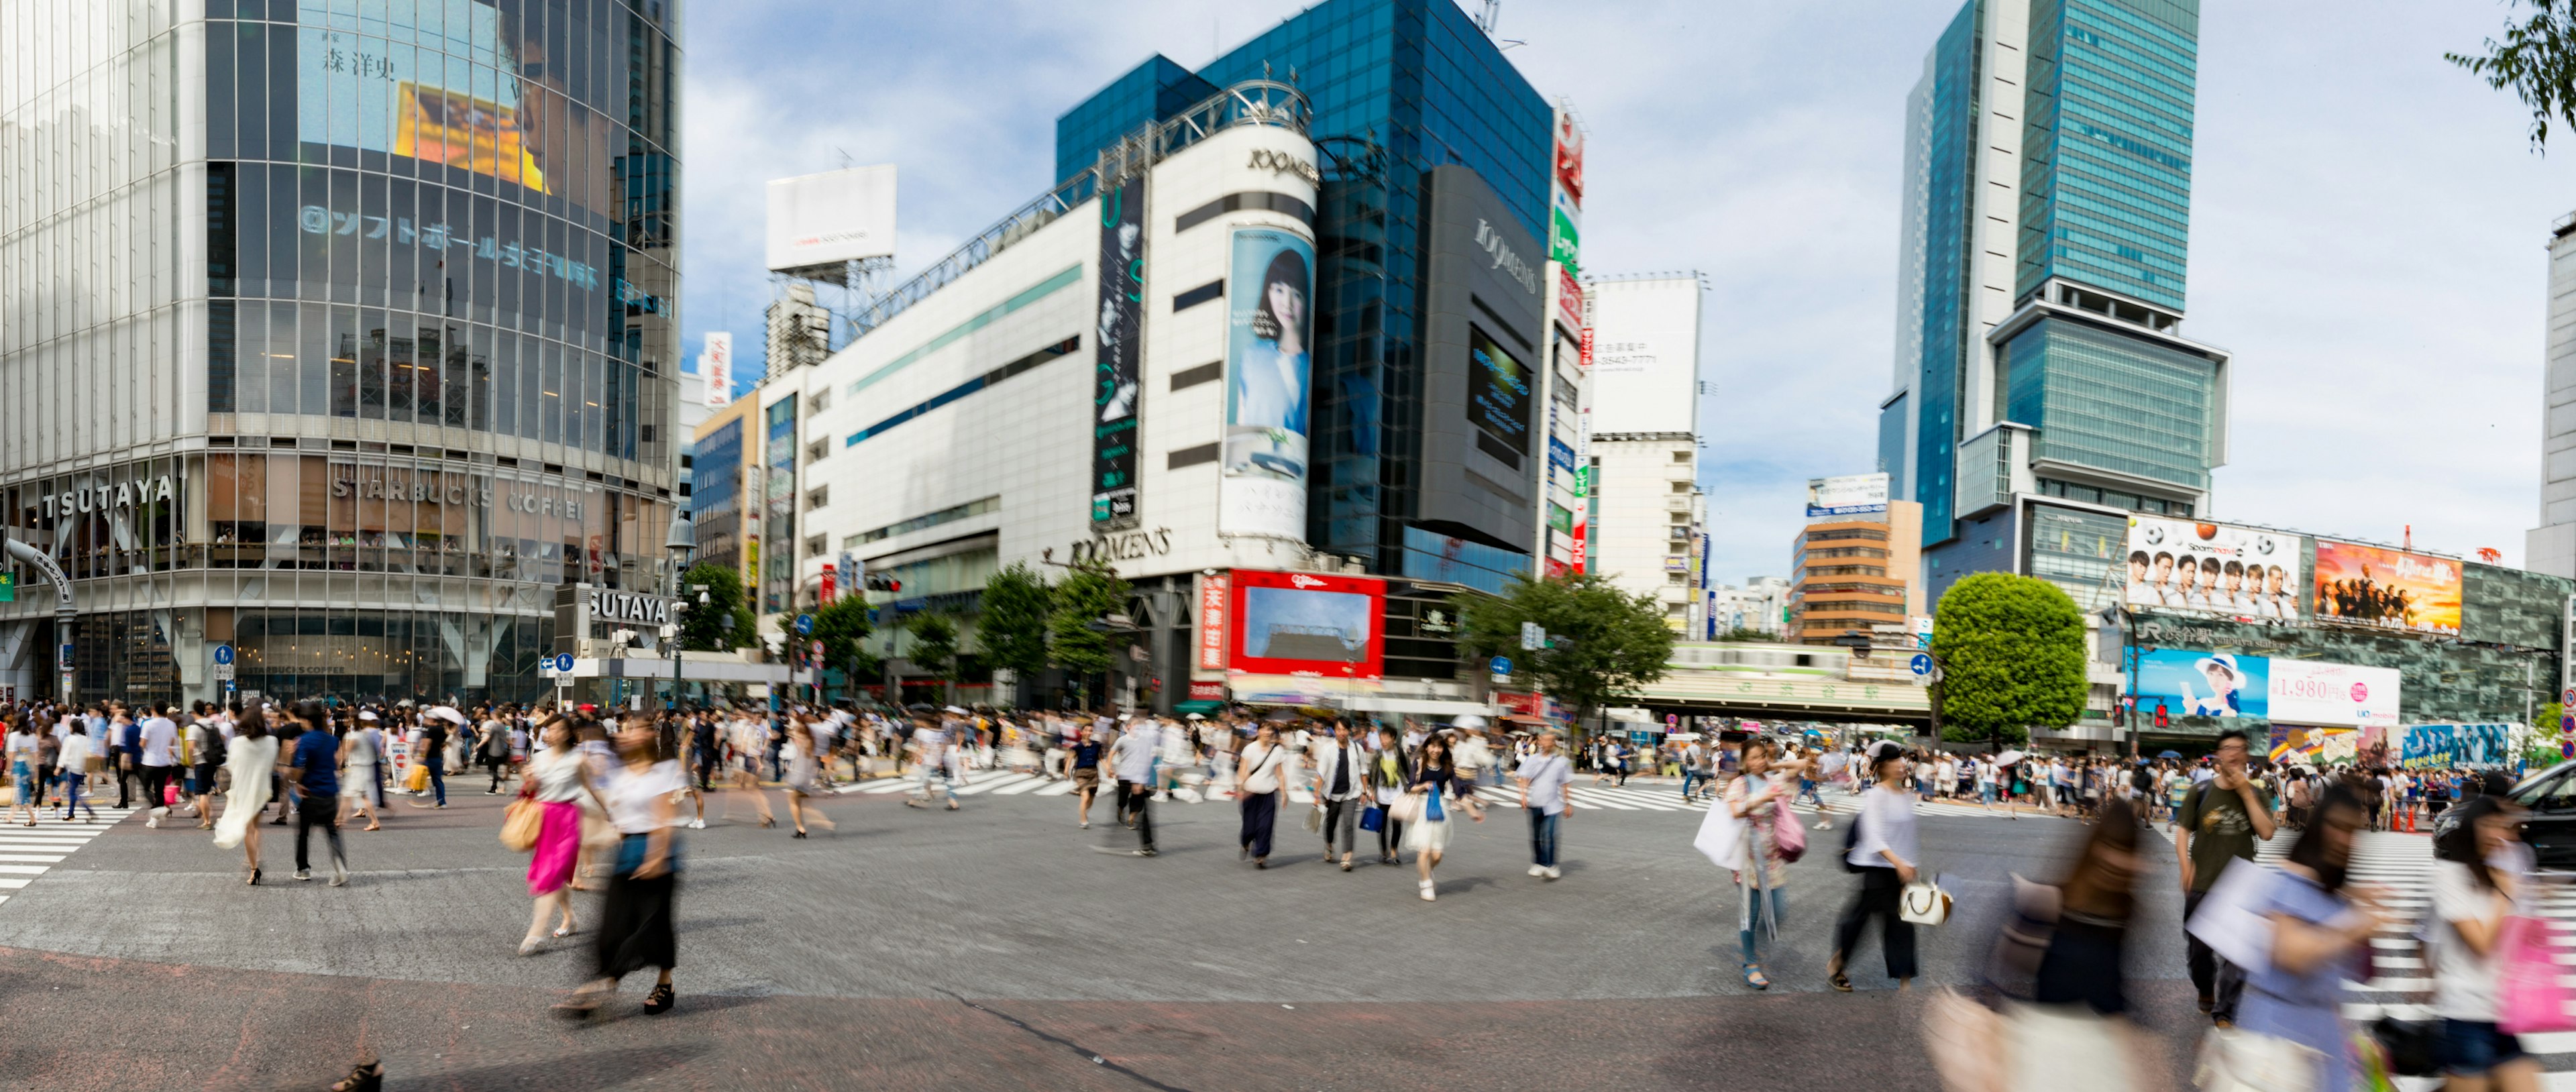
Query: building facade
x=2046 y=215
x=342 y=334
x=1642 y=391
x=2550 y=547
x=1760 y=605
x=1851 y=573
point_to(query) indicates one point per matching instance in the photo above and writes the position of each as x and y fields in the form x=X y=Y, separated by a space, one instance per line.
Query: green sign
x=8 y=587
x=1582 y=481
x=1563 y=240
x=1559 y=518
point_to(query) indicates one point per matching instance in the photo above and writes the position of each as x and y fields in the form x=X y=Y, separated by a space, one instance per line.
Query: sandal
x=1753 y=977
x=364 y=1077
x=582 y=1005
x=660 y=1000
x=1839 y=981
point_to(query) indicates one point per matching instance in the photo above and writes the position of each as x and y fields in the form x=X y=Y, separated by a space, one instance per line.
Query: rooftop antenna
x=1491 y=17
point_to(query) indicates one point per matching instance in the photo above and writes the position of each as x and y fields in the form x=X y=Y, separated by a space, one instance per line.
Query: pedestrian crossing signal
x=2160 y=715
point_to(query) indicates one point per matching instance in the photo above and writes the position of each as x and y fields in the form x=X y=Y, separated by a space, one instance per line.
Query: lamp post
x=683 y=542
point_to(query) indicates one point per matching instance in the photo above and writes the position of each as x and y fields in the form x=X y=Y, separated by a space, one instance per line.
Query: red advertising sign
x=1580 y=526
x=1308 y=624
x=1207 y=691
x=1569 y=299
x=1569 y=157
x=1557 y=568
x=831 y=581
x=1521 y=702
x=1214 y=597
x=1587 y=349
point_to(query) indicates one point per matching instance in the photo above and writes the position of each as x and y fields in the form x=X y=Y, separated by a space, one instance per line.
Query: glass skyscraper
x=1398 y=87
x=2047 y=219
x=339 y=331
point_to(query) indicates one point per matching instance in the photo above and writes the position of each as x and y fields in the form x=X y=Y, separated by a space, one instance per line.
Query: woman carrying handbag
x=1883 y=851
x=1770 y=837
x=1435 y=776
x=2291 y=1020
x=557 y=779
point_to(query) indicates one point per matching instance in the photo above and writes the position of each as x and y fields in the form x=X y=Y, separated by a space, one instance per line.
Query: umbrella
x=2170 y=754
x=2008 y=758
x=1469 y=721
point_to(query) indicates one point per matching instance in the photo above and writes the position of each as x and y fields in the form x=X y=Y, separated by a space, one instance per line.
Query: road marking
x=30 y=852
x=988 y=784
x=1024 y=786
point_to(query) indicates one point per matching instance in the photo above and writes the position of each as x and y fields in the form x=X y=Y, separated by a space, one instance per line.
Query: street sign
x=1502 y=665
x=224 y=655
x=2567 y=725
x=1921 y=663
x=1533 y=637
x=804 y=625
x=2567 y=748
x=560 y=663
x=2568 y=697
x=818 y=650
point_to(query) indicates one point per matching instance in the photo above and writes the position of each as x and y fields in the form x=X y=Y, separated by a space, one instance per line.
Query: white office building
x=2551 y=547
x=1644 y=393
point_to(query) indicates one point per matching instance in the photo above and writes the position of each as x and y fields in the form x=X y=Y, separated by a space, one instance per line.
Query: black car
x=2550 y=799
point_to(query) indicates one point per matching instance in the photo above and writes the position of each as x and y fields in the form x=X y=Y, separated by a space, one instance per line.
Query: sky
x=2368 y=232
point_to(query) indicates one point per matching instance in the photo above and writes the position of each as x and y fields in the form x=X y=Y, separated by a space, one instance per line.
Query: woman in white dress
x=1436 y=779
x=358 y=779
x=252 y=758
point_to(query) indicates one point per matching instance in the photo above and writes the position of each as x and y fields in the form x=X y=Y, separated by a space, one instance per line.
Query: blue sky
x=2367 y=236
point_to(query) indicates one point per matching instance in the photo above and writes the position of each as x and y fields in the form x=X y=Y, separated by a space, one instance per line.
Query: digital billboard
x=1498 y=392
x=1644 y=350
x=2212 y=568
x=442 y=83
x=2441 y=746
x=1850 y=495
x=1308 y=624
x=2317 y=746
x=1269 y=339
x=2191 y=683
x=2308 y=692
x=2386 y=589
x=830 y=218
x=1117 y=382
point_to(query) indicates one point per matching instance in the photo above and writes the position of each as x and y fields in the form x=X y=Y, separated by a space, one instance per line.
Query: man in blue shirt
x=316 y=775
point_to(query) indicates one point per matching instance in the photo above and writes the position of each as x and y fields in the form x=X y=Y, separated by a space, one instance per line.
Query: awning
x=1420 y=707
x=1200 y=707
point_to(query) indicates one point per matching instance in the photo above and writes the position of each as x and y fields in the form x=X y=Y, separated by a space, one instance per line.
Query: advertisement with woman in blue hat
x=2205 y=684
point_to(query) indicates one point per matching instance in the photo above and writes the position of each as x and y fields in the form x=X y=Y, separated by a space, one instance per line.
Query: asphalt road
x=995 y=947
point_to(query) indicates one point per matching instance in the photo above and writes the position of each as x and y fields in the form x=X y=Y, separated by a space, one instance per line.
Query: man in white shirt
x=1131 y=758
x=160 y=741
x=1544 y=777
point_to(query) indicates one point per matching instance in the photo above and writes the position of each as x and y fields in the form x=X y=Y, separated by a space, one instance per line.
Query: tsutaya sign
x=618 y=606
x=108 y=498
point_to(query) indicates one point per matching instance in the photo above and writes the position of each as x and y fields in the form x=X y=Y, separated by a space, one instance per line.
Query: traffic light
x=883 y=582
x=2160 y=715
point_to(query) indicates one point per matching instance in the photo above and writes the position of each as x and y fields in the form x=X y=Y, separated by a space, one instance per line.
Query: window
x=1673 y=578
x=1681 y=456
x=1870 y=534
x=1681 y=487
x=818 y=401
x=814 y=452
x=817 y=497
x=849 y=542
x=814 y=546
x=1196 y=296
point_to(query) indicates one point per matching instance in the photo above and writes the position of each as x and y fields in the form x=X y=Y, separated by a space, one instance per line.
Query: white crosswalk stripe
x=29 y=852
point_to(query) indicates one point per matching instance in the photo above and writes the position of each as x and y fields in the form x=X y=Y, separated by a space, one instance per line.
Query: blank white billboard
x=1645 y=355
x=833 y=217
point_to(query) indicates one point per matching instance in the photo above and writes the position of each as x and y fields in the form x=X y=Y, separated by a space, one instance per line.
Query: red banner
x=831 y=581
x=1207 y=691
x=1214 y=594
x=1569 y=299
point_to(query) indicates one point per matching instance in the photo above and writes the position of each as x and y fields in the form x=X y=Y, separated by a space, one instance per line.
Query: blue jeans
x=1689 y=775
x=1542 y=837
x=72 y=796
x=1807 y=791
x=1750 y=936
x=438 y=778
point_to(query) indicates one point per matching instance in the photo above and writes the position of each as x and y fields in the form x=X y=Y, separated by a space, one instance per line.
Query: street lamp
x=683 y=541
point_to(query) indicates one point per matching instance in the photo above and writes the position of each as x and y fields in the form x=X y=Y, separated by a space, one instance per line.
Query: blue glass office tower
x=2047 y=223
x=1398 y=87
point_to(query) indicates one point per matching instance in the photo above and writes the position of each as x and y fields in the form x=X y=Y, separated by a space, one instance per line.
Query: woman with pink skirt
x=556 y=779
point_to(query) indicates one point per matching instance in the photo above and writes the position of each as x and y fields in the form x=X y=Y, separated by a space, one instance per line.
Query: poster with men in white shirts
x=2184 y=566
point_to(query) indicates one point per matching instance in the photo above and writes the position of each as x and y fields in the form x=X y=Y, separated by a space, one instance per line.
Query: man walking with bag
x=1341 y=790
x=1544 y=776
x=2215 y=827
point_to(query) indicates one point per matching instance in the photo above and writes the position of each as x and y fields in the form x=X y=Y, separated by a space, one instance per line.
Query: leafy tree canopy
x=2012 y=658
x=1087 y=594
x=2536 y=61
x=723 y=622
x=1013 y=629
x=1613 y=642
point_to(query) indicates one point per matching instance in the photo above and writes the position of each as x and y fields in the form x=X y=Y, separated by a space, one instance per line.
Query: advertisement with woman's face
x=1269 y=335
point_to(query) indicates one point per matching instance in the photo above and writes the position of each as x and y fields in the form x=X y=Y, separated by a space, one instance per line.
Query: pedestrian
x=1085 y=756
x=205 y=744
x=931 y=745
x=2318 y=930
x=76 y=757
x=2216 y=826
x=492 y=750
x=1694 y=766
x=557 y=778
x=804 y=773
x=362 y=748
x=1340 y=787
x=636 y=922
x=2070 y=967
x=432 y=751
x=1388 y=765
x=251 y=760
x=315 y=772
x=1755 y=801
x=49 y=762
x=21 y=750
x=157 y=753
x=2480 y=865
x=1435 y=780
x=1131 y=758
x=1544 y=777
x=1264 y=786
x=1884 y=851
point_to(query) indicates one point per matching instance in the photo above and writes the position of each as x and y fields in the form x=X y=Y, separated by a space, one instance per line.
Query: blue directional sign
x=1922 y=663
x=804 y=624
x=223 y=654
x=1502 y=665
x=561 y=663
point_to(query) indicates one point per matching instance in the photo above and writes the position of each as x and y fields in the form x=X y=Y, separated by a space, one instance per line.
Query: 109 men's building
x=338 y=332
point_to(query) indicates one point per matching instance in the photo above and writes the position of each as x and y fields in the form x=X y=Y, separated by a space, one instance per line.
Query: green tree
x=1605 y=643
x=934 y=646
x=723 y=622
x=2012 y=658
x=1012 y=632
x=2536 y=61
x=1087 y=594
x=843 y=628
x=1742 y=634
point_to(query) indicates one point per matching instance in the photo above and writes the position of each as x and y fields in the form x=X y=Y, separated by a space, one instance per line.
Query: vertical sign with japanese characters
x=1213 y=593
x=1118 y=386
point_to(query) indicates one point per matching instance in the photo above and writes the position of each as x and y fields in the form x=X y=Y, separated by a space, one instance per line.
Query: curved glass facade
x=356 y=318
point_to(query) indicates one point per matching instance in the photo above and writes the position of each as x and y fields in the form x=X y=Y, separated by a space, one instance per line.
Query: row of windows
x=1833 y=607
x=1872 y=534
x=2114 y=498
x=1843 y=551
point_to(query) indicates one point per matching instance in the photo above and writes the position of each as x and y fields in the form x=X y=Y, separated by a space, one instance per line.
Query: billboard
x=1269 y=334
x=830 y=218
x=446 y=89
x=1498 y=391
x=2386 y=589
x=1645 y=356
x=2439 y=746
x=1308 y=624
x=715 y=365
x=1117 y=382
x=1569 y=156
x=2213 y=568
x=2190 y=683
x=1850 y=495
x=2315 y=746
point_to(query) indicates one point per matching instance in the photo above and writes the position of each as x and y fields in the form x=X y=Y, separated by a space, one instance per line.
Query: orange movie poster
x=477 y=134
x=2387 y=589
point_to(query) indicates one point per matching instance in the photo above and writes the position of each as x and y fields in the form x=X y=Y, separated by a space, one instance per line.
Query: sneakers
x=697 y=824
x=1554 y=872
x=1144 y=853
x=304 y=874
x=1538 y=870
x=152 y=822
x=1427 y=895
x=339 y=874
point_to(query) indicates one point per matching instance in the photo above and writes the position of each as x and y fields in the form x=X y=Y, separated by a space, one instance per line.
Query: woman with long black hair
x=2318 y=928
x=1386 y=772
x=1443 y=790
x=2478 y=870
x=1884 y=853
x=252 y=758
x=635 y=927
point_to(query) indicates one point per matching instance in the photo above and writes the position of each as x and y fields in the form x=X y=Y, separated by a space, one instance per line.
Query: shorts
x=1985 y=792
x=1086 y=777
x=2469 y=1048
x=24 y=781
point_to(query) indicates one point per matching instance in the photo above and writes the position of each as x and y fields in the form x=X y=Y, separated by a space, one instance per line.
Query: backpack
x=1851 y=841
x=212 y=752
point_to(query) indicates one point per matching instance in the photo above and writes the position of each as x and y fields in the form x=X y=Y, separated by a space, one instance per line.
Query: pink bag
x=169 y=796
x=1789 y=833
x=2530 y=996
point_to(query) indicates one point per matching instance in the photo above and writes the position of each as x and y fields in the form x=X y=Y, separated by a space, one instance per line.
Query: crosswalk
x=29 y=852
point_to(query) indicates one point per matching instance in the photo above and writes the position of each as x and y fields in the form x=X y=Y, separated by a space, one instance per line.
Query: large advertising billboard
x=2191 y=683
x=1645 y=356
x=1850 y=495
x=830 y=218
x=1269 y=335
x=2386 y=589
x=1498 y=394
x=2451 y=746
x=1117 y=384
x=2213 y=568
x=440 y=83
x=1308 y=624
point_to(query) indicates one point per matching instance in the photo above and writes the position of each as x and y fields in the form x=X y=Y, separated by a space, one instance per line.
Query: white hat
x=1195 y=716
x=954 y=709
x=366 y=715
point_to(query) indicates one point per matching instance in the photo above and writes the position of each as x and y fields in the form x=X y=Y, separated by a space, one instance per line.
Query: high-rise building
x=2551 y=546
x=1852 y=571
x=1643 y=391
x=341 y=333
x=1400 y=90
x=2046 y=217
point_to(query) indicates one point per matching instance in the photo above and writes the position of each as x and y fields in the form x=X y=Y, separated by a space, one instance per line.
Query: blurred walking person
x=21 y=750
x=1340 y=786
x=361 y=750
x=1756 y=800
x=1883 y=851
x=1544 y=777
x=2216 y=826
x=251 y=759
x=804 y=774
x=2078 y=1032
x=557 y=779
x=77 y=752
x=315 y=772
x=1437 y=781
x=1131 y=758
x=635 y=928
x=2479 y=868
x=1263 y=787
x=2319 y=929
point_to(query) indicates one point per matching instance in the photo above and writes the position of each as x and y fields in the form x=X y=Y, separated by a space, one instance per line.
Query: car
x=2549 y=798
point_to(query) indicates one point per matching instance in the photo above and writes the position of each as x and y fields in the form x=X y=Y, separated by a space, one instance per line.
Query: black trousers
x=155 y=780
x=2211 y=977
x=1136 y=805
x=1877 y=898
x=125 y=777
x=1260 y=813
x=1390 y=835
x=497 y=764
x=317 y=810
